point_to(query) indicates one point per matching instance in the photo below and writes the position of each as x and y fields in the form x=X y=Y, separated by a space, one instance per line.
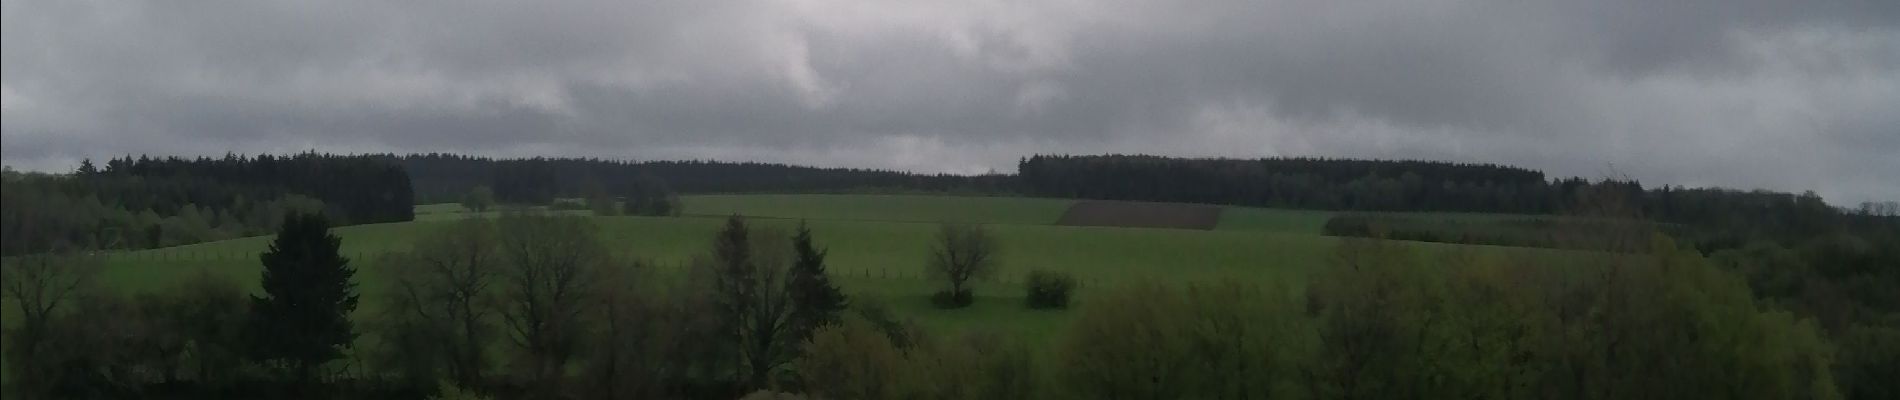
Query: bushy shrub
x=568 y=205
x=902 y=334
x=603 y=206
x=951 y=300
x=851 y=360
x=771 y=395
x=981 y=365
x=449 y=391
x=1224 y=341
x=1049 y=290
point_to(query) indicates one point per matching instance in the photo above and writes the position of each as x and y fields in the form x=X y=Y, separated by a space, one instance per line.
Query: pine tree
x=303 y=319
x=87 y=169
x=816 y=301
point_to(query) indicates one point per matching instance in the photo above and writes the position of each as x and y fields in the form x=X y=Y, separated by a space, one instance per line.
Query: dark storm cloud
x=1756 y=93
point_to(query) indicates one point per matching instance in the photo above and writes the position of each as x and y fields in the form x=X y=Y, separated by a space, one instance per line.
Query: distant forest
x=151 y=202
x=156 y=202
x=445 y=178
x=1719 y=217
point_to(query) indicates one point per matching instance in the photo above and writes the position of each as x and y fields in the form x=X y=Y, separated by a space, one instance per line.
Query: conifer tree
x=816 y=301
x=303 y=319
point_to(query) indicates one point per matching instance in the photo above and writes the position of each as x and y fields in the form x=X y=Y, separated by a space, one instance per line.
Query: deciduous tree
x=447 y=283
x=962 y=253
x=550 y=269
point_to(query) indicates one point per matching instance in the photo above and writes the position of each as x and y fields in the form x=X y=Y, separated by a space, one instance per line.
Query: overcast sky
x=1777 y=94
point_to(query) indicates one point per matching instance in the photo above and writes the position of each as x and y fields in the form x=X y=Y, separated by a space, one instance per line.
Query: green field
x=877 y=248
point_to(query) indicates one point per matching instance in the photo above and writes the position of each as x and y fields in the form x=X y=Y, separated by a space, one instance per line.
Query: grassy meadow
x=877 y=244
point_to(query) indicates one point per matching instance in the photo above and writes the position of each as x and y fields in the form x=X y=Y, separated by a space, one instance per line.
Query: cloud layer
x=1773 y=94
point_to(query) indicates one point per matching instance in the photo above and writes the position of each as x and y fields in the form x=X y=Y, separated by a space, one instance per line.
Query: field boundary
x=1135 y=214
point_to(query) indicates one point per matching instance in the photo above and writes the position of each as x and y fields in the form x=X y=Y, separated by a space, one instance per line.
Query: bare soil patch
x=1133 y=214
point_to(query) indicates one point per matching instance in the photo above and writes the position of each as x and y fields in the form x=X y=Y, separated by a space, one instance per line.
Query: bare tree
x=550 y=268
x=628 y=351
x=752 y=290
x=39 y=285
x=962 y=253
x=445 y=282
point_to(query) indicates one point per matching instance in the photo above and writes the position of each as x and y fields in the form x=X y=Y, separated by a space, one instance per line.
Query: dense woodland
x=443 y=178
x=1375 y=185
x=156 y=202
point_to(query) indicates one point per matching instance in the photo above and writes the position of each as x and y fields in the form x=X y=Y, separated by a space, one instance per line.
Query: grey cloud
x=1755 y=93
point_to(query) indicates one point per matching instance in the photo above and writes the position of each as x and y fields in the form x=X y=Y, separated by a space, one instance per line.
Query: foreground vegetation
x=540 y=307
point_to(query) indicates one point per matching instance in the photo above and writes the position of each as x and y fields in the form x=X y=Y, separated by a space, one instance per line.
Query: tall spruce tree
x=303 y=319
x=816 y=301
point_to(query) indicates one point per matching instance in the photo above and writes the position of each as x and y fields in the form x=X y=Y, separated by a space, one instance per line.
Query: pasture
x=877 y=250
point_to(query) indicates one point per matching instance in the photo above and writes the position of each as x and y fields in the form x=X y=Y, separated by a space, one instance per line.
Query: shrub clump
x=1049 y=290
x=568 y=205
x=952 y=300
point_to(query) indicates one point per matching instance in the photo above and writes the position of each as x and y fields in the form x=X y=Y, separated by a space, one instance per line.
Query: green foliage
x=1663 y=325
x=815 y=300
x=976 y=366
x=636 y=335
x=303 y=319
x=851 y=360
x=1869 y=356
x=754 y=296
x=1393 y=318
x=207 y=316
x=960 y=254
x=903 y=334
x=856 y=360
x=1154 y=341
x=63 y=213
x=771 y=395
x=1771 y=271
x=1391 y=324
x=479 y=199
x=446 y=390
x=568 y=205
x=1049 y=289
x=96 y=350
x=952 y=300
x=602 y=206
x=649 y=196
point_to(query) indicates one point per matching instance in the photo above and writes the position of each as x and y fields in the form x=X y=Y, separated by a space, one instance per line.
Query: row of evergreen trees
x=148 y=202
x=1723 y=218
x=446 y=177
x=1314 y=183
x=358 y=189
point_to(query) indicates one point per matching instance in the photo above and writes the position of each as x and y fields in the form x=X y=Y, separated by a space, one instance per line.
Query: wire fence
x=911 y=273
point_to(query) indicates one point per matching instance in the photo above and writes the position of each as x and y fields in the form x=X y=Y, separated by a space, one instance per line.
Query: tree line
x=380 y=188
x=525 y=305
x=442 y=178
x=144 y=202
x=1310 y=183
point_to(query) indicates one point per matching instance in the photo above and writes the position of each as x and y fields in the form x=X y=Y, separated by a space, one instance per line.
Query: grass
x=879 y=259
x=1273 y=220
x=877 y=248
